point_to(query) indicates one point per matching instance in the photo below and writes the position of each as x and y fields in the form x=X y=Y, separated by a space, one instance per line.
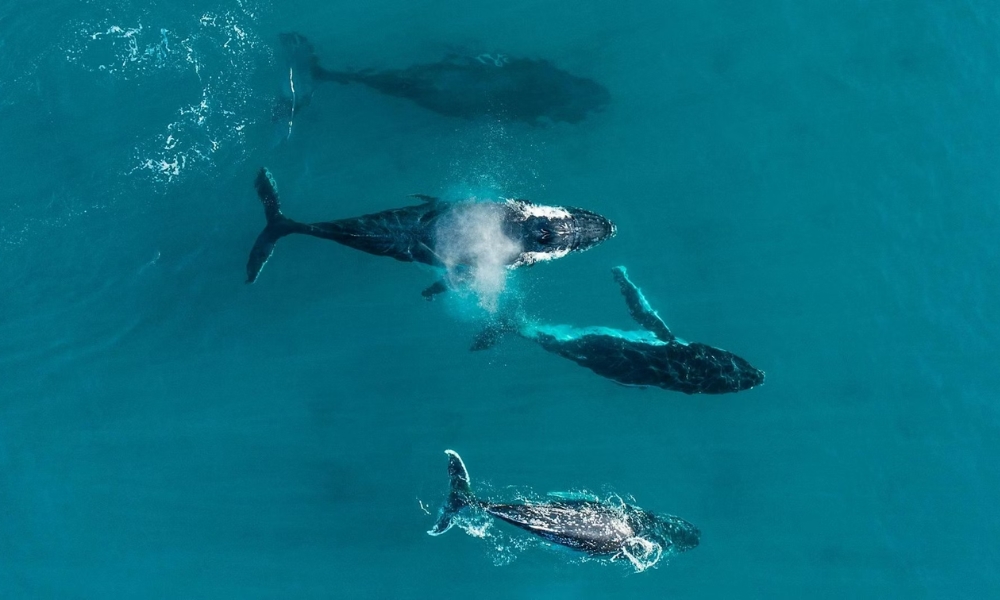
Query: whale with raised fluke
x=607 y=529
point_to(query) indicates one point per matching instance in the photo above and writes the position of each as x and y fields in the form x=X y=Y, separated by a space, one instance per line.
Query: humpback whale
x=651 y=357
x=608 y=529
x=489 y=85
x=441 y=234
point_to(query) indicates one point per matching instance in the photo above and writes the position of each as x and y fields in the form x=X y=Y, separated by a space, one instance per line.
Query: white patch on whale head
x=527 y=209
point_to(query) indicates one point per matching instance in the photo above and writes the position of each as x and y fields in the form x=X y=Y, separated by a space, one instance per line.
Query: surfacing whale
x=614 y=530
x=451 y=235
x=489 y=85
x=651 y=357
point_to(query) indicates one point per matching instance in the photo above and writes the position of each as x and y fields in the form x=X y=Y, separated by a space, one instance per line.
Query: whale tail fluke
x=459 y=496
x=278 y=225
x=302 y=54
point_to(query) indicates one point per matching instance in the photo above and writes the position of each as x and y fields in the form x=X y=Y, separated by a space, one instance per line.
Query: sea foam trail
x=200 y=63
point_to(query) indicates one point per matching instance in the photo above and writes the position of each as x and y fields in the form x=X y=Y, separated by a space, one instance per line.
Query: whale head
x=669 y=532
x=678 y=533
x=550 y=232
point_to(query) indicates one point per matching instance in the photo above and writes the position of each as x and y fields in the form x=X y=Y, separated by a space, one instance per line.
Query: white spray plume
x=475 y=251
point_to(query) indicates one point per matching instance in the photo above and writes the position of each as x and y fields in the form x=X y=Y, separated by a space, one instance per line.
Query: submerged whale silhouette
x=652 y=357
x=582 y=523
x=513 y=89
x=442 y=234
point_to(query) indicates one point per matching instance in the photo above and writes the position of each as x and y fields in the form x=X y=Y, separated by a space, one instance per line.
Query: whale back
x=519 y=89
x=586 y=526
x=640 y=359
x=406 y=234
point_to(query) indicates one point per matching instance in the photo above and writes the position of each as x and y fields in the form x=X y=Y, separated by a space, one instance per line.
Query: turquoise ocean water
x=813 y=185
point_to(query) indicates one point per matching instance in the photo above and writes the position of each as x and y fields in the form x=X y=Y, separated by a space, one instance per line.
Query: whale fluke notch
x=459 y=495
x=278 y=225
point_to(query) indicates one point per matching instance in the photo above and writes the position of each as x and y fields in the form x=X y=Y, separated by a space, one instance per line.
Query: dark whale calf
x=652 y=357
x=507 y=88
x=452 y=235
x=608 y=529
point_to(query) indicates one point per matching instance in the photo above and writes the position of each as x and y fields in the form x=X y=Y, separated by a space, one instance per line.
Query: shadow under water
x=532 y=91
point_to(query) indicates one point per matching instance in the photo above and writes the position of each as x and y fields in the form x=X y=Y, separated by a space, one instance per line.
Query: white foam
x=642 y=553
x=476 y=252
x=209 y=57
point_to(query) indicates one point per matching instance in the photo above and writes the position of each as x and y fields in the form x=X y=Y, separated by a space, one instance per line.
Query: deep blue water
x=811 y=184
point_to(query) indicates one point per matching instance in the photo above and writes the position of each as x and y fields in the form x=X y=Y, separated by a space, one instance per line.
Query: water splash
x=491 y=161
x=642 y=553
x=208 y=57
x=505 y=543
x=475 y=250
x=502 y=545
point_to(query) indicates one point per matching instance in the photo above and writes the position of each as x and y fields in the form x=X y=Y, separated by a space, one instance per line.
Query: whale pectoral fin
x=438 y=287
x=425 y=198
x=639 y=308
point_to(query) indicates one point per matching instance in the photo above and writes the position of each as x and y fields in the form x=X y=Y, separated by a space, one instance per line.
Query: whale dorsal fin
x=425 y=198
